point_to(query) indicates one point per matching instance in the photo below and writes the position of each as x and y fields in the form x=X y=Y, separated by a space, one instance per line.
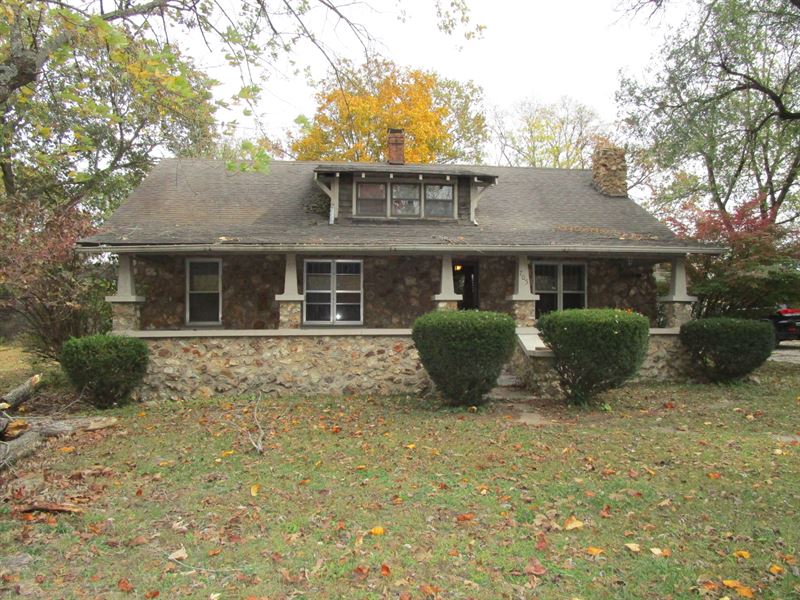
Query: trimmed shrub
x=594 y=349
x=106 y=368
x=464 y=351
x=724 y=349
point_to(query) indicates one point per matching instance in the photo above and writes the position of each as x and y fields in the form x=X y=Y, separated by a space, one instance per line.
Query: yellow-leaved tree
x=443 y=119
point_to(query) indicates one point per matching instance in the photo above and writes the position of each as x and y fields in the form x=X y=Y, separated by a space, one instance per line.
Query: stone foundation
x=677 y=313
x=666 y=360
x=186 y=368
x=446 y=304
x=125 y=316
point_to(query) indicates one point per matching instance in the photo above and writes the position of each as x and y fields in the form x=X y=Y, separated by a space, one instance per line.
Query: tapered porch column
x=523 y=300
x=125 y=304
x=290 y=302
x=447 y=299
x=678 y=303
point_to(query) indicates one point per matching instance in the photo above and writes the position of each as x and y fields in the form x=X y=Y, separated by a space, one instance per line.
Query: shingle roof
x=198 y=202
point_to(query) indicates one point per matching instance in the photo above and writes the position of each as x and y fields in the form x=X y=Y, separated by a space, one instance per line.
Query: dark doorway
x=465 y=281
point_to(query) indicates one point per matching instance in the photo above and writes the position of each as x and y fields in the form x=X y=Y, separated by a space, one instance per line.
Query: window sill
x=413 y=220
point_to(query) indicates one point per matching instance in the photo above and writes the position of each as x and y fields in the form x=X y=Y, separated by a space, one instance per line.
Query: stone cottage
x=307 y=278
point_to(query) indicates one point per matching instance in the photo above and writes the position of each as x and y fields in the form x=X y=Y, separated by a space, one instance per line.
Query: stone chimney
x=609 y=170
x=397 y=147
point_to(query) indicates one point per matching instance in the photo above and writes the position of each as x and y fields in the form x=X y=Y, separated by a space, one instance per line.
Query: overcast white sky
x=541 y=49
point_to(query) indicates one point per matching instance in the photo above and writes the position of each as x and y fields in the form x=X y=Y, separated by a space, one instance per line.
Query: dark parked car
x=786 y=322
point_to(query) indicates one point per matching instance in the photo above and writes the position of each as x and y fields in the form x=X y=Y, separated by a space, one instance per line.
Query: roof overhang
x=399 y=249
x=407 y=170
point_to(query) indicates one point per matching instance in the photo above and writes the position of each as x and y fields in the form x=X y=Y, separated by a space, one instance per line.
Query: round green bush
x=464 y=351
x=594 y=349
x=106 y=368
x=724 y=349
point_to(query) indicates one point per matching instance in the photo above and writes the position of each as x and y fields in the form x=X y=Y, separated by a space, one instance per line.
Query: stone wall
x=496 y=277
x=609 y=170
x=620 y=283
x=184 y=368
x=249 y=286
x=666 y=360
x=398 y=289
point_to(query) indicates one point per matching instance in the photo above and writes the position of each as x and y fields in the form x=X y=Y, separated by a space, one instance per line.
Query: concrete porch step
x=508 y=380
x=509 y=394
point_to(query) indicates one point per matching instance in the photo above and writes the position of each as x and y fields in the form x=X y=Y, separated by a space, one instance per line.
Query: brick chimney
x=397 y=147
x=609 y=170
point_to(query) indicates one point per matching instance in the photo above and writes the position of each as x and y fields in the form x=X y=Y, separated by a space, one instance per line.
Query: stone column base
x=523 y=312
x=290 y=314
x=446 y=304
x=125 y=316
x=677 y=313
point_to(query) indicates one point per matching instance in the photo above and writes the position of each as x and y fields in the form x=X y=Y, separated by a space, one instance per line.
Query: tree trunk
x=21 y=393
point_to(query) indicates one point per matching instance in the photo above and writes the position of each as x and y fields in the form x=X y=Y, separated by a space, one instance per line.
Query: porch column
x=678 y=303
x=523 y=300
x=125 y=304
x=290 y=302
x=447 y=299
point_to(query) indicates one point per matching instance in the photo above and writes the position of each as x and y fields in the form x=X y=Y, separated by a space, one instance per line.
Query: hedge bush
x=104 y=367
x=724 y=349
x=464 y=351
x=594 y=349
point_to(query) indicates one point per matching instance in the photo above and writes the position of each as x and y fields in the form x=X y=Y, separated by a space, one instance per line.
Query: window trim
x=333 y=262
x=189 y=262
x=419 y=181
x=559 y=291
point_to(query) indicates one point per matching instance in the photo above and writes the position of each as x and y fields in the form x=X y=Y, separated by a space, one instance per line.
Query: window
x=333 y=292
x=204 y=291
x=371 y=199
x=559 y=286
x=404 y=199
x=439 y=200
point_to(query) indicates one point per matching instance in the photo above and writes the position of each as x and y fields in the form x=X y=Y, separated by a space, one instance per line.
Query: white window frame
x=559 y=292
x=388 y=182
x=333 y=262
x=189 y=262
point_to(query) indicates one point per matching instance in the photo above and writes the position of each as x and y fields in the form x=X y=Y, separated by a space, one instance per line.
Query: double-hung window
x=405 y=199
x=333 y=292
x=203 y=291
x=559 y=286
x=439 y=200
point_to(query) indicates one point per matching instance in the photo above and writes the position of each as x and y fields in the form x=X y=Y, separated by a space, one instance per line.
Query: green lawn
x=468 y=502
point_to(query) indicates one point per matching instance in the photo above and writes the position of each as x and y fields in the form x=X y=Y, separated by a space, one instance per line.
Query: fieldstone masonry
x=125 y=316
x=666 y=360
x=282 y=365
x=290 y=314
x=610 y=171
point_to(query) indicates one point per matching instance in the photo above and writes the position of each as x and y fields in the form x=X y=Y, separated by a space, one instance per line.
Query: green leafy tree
x=561 y=135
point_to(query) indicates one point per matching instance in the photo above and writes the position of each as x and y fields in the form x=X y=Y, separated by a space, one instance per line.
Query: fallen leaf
x=714 y=475
x=179 y=554
x=742 y=554
x=214 y=551
x=124 y=586
x=572 y=523
x=361 y=572
x=385 y=570
x=429 y=590
x=776 y=569
x=254 y=489
x=541 y=542
x=227 y=453
x=462 y=518
x=67 y=449
x=411 y=446
x=594 y=551
x=661 y=552
x=534 y=567
x=152 y=594
x=633 y=547
x=606 y=512
x=377 y=531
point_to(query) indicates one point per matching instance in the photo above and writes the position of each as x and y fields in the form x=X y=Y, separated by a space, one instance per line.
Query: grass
x=465 y=499
x=15 y=366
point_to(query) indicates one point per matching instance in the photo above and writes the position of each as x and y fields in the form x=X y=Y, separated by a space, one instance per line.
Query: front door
x=465 y=281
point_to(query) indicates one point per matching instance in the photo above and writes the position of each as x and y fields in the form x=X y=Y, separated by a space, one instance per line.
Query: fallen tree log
x=20 y=393
x=53 y=507
x=41 y=429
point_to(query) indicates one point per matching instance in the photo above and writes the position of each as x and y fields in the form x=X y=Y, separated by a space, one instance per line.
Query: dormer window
x=405 y=199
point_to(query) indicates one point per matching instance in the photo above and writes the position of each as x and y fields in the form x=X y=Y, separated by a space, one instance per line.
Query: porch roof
x=193 y=205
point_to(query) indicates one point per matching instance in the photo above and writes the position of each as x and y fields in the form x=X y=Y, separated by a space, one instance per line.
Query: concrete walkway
x=787 y=352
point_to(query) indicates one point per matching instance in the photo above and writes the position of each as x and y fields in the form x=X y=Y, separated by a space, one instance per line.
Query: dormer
x=399 y=192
